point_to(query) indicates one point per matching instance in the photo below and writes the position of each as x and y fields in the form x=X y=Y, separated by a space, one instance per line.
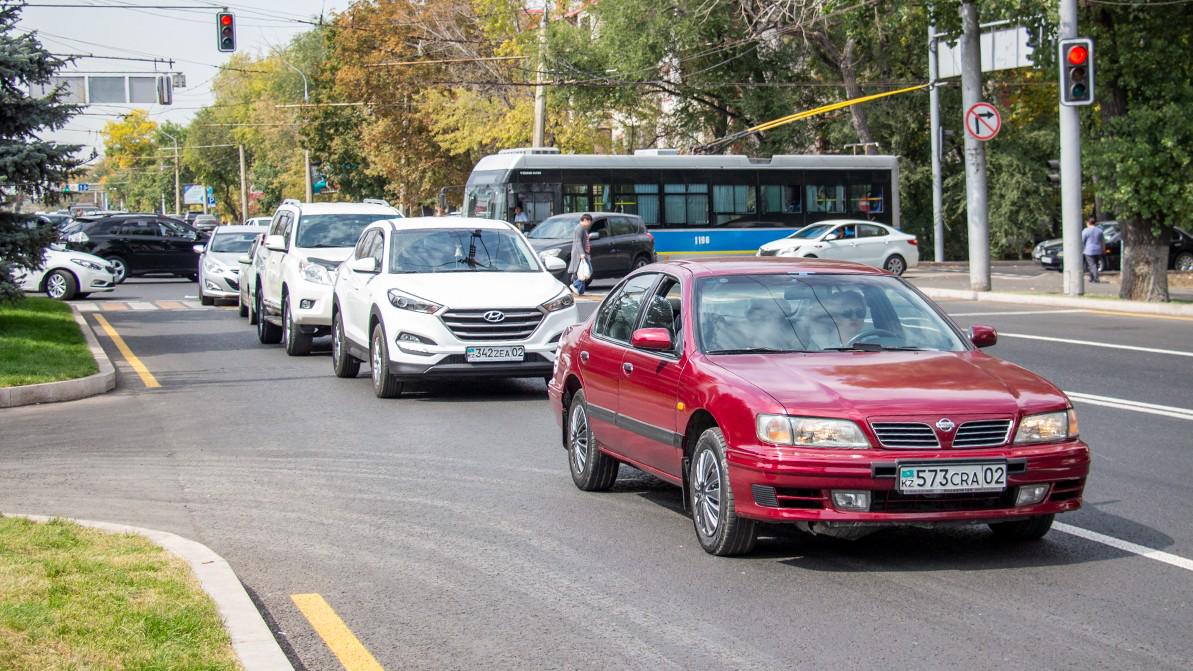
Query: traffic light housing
x=1077 y=71
x=225 y=32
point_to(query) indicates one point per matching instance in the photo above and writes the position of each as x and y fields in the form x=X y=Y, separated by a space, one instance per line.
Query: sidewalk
x=1029 y=277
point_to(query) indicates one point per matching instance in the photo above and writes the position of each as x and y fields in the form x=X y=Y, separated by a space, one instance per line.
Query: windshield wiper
x=873 y=347
x=754 y=350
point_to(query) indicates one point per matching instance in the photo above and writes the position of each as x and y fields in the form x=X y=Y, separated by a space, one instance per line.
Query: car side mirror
x=199 y=249
x=655 y=340
x=244 y=258
x=367 y=264
x=832 y=236
x=553 y=264
x=595 y=235
x=276 y=243
x=983 y=336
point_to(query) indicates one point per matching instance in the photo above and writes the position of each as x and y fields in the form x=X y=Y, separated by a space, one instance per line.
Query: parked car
x=205 y=223
x=824 y=394
x=67 y=274
x=865 y=242
x=305 y=244
x=1050 y=253
x=219 y=266
x=257 y=221
x=619 y=242
x=141 y=244
x=250 y=266
x=446 y=297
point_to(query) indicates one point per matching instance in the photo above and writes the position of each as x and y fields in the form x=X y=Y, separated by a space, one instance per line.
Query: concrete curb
x=67 y=390
x=1136 y=307
x=252 y=641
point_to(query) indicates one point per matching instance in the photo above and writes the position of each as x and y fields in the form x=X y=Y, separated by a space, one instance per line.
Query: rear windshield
x=334 y=230
x=555 y=228
x=231 y=242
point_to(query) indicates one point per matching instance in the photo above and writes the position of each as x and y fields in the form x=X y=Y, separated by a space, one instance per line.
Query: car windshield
x=453 y=250
x=334 y=230
x=231 y=242
x=555 y=228
x=816 y=313
x=809 y=232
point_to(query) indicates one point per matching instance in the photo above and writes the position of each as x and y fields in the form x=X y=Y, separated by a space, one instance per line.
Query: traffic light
x=225 y=25
x=1077 y=71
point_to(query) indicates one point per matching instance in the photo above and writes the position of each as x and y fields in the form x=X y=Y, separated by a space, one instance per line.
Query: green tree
x=29 y=166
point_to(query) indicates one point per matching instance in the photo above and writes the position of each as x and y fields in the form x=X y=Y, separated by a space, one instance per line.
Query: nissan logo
x=945 y=424
x=494 y=316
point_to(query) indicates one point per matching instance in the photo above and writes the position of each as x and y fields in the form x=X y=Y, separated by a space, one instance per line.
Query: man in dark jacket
x=581 y=250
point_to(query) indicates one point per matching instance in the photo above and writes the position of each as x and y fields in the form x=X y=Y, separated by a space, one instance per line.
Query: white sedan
x=866 y=242
x=68 y=274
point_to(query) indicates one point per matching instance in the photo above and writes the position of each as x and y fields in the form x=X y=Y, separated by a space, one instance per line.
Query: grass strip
x=40 y=342
x=79 y=598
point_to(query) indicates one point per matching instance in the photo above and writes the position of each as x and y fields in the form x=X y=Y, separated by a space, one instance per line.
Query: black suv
x=140 y=244
x=619 y=242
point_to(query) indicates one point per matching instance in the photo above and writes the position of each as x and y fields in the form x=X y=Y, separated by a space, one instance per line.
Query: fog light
x=850 y=499
x=211 y=285
x=1029 y=495
x=306 y=304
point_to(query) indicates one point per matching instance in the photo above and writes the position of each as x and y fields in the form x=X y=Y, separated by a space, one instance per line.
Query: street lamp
x=177 y=186
x=306 y=153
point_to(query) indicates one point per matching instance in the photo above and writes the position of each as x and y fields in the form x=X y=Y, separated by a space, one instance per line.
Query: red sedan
x=830 y=395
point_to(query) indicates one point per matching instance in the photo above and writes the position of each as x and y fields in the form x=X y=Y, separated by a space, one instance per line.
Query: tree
x=131 y=168
x=28 y=164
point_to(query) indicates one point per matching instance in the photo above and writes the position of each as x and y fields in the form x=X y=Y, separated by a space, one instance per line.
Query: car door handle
x=584 y=356
x=627 y=367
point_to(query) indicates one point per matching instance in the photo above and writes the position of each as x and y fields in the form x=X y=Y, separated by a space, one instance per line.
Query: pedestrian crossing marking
x=145 y=306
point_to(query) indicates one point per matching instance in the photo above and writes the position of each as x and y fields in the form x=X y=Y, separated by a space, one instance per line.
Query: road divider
x=1125 y=546
x=1094 y=343
x=147 y=378
x=1134 y=406
x=353 y=655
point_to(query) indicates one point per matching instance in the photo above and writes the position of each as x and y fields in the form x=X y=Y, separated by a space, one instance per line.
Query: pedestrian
x=520 y=218
x=581 y=250
x=1094 y=242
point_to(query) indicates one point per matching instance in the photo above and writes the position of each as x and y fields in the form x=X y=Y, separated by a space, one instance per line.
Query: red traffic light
x=226 y=19
x=1077 y=55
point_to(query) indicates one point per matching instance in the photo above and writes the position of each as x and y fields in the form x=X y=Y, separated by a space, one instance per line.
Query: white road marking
x=1017 y=312
x=1092 y=343
x=1125 y=546
x=141 y=306
x=1136 y=406
x=195 y=305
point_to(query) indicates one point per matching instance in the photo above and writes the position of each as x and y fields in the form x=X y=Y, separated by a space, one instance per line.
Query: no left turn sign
x=982 y=121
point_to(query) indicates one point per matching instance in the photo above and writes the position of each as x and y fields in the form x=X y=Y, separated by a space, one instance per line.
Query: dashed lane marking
x=147 y=378
x=343 y=643
x=1126 y=546
x=1092 y=343
x=1134 y=406
x=1016 y=312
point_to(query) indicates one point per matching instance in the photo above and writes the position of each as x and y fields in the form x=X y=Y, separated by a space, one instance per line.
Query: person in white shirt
x=520 y=218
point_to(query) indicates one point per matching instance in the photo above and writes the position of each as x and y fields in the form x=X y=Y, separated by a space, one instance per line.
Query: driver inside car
x=844 y=319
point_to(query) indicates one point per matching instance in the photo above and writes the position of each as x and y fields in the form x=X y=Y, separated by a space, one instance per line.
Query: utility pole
x=540 y=93
x=306 y=153
x=1070 y=173
x=934 y=115
x=177 y=184
x=975 y=152
x=244 y=190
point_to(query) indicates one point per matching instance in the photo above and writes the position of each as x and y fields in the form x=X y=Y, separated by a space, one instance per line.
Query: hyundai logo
x=494 y=316
x=945 y=424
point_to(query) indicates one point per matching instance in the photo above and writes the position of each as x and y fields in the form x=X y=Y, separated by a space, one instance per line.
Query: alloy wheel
x=578 y=440
x=707 y=493
x=121 y=269
x=56 y=286
x=336 y=339
x=375 y=361
x=895 y=265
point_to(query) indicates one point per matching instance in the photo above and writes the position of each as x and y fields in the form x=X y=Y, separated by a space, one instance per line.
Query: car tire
x=243 y=309
x=121 y=268
x=297 y=342
x=385 y=385
x=895 y=264
x=1183 y=262
x=592 y=470
x=61 y=285
x=639 y=262
x=1030 y=529
x=718 y=528
x=343 y=363
x=83 y=294
x=267 y=333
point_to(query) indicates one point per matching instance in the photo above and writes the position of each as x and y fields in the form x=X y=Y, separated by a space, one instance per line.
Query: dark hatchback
x=1050 y=253
x=619 y=242
x=141 y=244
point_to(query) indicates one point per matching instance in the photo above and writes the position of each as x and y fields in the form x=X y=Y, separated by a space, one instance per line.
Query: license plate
x=497 y=353
x=940 y=478
x=1046 y=259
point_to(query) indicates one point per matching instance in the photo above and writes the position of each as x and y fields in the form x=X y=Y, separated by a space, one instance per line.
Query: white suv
x=447 y=297
x=305 y=244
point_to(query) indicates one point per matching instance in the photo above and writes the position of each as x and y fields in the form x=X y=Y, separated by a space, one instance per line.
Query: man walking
x=581 y=248
x=1094 y=243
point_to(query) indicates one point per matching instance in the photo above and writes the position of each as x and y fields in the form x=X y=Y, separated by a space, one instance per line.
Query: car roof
x=450 y=222
x=343 y=208
x=745 y=265
x=238 y=228
x=594 y=214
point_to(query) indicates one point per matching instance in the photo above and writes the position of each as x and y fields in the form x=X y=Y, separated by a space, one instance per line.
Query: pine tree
x=29 y=166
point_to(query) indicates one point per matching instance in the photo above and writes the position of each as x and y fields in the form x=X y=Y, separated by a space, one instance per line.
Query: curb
x=67 y=390
x=252 y=641
x=1135 y=307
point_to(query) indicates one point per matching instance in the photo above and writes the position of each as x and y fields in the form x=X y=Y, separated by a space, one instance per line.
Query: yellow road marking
x=146 y=377
x=347 y=648
x=170 y=305
x=114 y=307
x=1115 y=313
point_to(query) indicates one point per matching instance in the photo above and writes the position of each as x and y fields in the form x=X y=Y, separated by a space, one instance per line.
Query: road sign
x=192 y=194
x=84 y=186
x=211 y=201
x=982 y=121
x=210 y=191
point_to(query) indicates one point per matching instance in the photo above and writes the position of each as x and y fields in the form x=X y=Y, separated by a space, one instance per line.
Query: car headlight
x=405 y=302
x=77 y=236
x=552 y=252
x=560 y=302
x=810 y=432
x=1047 y=427
x=314 y=272
x=87 y=264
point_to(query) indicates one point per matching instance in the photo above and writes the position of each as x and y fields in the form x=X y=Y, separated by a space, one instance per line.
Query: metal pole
x=306 y=160
x=1070 y=173
x=244 y=190
x=975 y=152
x=177 y=185
x=934 y=116
x=540 y=93
x=306 y=153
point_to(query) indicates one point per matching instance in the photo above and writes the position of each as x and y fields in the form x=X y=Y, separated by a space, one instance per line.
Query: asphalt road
x=444 y=530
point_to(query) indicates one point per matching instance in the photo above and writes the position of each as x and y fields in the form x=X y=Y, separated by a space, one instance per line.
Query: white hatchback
x=446 y=297
x=866 y=242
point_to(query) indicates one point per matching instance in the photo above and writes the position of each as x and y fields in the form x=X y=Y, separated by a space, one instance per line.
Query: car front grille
x=910 y=435
x=891 y=501
x=516 y=324
x=983 y=433
x=768 y=252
